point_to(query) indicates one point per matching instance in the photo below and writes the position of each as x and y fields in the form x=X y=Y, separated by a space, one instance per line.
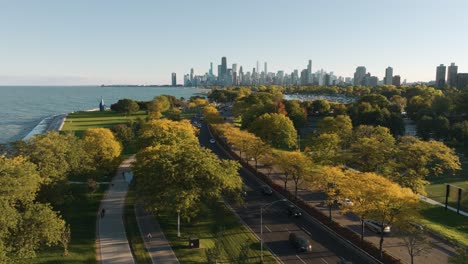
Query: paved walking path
x=113 y=245
x=430 y=201
x=157 y=245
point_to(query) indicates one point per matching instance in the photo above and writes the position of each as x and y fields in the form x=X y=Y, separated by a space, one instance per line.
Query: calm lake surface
x=23 y=107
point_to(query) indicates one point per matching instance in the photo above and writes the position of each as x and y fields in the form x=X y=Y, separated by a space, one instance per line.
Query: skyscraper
x=396 y=80
x=452 y=75
x=462 y=81
x=174 y=79
x=309 y=72
x=440 y=76
x=223 y=67
x=359 y=75
x=191 y=75
x=234 y=74
x=211 y=69
x=266 y=70
x=388 y=75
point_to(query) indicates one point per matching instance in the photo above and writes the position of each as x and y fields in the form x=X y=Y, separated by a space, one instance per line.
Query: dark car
x=265 y=189
x=300 y=242
x=292 y=210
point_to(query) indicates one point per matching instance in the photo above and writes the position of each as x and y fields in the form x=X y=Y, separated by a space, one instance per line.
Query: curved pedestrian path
x=113 y=246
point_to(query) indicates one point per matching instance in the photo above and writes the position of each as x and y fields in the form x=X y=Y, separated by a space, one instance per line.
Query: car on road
x=266 y=190
x=292 y=210
x=345 y=202
x=376 y=226
x=212 y=141
x=300 y=242
x=343 y=261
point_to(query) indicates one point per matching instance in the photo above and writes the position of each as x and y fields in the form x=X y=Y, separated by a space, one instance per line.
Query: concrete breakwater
x=51 y=123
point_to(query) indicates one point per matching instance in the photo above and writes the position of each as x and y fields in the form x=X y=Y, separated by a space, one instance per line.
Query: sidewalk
x=430 y=201
x=112 y=240
x=157 y=246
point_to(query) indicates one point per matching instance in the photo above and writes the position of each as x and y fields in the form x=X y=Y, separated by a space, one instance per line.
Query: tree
x=164 y=131
x=325 y=148
x=178 y=177
x=276 y=129
x=296 y=113
x=362 y=190
x=212 y=115
x=372 y=149
x=104 y=149
x=159 y=105
x=27 y=225
x=415 y=240
x=340 y=125
x=296 y=165
x=416 y=159
x=256 y=149
x=124 y=134
x=126 y=106
x=320 y=107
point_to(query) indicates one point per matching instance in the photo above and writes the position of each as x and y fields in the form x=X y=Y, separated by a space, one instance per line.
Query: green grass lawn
x=436 y=190
x=80 y=121
x=447 y=223
x=133 y=232
x=81 y=214
x=212 y=219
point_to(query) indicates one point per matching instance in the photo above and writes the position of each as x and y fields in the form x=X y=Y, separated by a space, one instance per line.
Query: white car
x=212 y=141
x=345 y=202
x=376 y=226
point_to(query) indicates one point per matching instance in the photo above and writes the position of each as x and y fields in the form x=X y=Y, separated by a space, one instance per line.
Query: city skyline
x=114 y=42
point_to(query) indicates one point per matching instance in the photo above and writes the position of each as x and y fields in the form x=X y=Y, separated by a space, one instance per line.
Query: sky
x=87 y=42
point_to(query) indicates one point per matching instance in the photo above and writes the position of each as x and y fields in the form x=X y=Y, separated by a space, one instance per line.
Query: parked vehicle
x=292 y=210
x=300 y=242
x=265 y=189
x=343 y=261
x=345 y=202
x=376 y=226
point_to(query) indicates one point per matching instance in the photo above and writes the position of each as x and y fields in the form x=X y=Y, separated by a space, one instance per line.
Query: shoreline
x=51 y=123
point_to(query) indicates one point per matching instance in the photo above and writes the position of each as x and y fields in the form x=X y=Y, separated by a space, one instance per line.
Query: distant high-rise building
x=309 y=67
x=440 y=76
x=223 y=66
x=396 y=80
x=388 y=75
x=452 y=75
x=462 y=81
x=191 y=75
x=211 y=69
x=187 y=80
x=359 y=75
x=174 y=79
x=258 y=67
x=326 y=79
x=304 y=77
x=265 y=69
x=234 y=74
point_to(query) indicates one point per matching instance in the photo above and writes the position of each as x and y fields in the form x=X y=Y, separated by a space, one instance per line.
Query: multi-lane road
x=277 y=225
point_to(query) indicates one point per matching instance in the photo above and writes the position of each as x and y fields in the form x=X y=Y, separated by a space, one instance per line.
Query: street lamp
x=261 y=224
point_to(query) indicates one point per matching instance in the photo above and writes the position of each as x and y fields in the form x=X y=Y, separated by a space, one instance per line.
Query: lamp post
x=261 y=224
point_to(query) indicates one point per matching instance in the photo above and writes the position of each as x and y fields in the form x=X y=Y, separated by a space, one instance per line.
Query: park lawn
x=211 y=220
x=80 y=121
x=80 y=213
x=137 y=244
x=448 y=224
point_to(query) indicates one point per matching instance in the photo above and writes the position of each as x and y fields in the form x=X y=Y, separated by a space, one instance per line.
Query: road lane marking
x=324 y=260
x=268 y=228
x=303 y=229
x=301 y=259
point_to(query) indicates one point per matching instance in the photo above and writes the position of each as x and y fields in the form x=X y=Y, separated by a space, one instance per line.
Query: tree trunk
x=381 y=244
x=295 y=191
x=362 y=231
x=412 y=259
x=330 y=211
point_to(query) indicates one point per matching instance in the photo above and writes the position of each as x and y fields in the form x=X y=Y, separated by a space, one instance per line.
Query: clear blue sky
x=111 y=41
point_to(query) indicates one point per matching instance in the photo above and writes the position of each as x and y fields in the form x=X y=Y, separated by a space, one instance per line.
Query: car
x=300 y=242
x=376 y=226
x=345 y=202
x=212 y=141
x=343 y=261
x=292 y=210
x=265 y=189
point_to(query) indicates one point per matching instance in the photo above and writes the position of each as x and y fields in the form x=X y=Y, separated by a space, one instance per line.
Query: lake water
x=23 y=107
